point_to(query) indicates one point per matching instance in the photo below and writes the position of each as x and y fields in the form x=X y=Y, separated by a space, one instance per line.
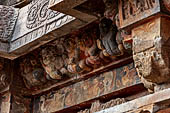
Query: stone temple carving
x=39 y=13
x=32 y=72
x=8 y=17
x=54 y=61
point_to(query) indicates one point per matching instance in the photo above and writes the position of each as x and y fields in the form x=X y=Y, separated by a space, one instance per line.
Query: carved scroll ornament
x=38 y=13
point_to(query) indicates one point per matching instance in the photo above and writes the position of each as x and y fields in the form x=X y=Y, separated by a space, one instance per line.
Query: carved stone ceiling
x=36 y=24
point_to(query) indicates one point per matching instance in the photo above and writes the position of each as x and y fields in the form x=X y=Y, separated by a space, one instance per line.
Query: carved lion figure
x=32 y=72
x=54 y=61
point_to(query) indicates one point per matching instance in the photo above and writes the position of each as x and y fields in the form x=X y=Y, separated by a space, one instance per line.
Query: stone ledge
x=140 y=102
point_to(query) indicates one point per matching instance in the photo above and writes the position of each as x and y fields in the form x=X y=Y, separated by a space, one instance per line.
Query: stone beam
x=147 y=103
x=68 y=7
x=89 y=89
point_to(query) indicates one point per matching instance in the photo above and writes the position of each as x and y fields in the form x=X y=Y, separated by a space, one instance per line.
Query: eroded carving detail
x=132 y=11
x=97 y=106
x=132 y=8
x=153 y=63
x=77 y=54
x=32 y=71
x=166 y=4
x=8 y=16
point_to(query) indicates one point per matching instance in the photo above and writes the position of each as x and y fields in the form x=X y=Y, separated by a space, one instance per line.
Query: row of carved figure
x=76 y=53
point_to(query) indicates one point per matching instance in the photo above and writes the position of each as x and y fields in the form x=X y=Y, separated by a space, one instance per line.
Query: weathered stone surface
x=149 y=104
x=32 y=71
x=20 y=105
x=15 y=3
x=68 y=7
x=132 y=11
x=36 y=25
x=89 y=89
x=98 y=106
x=5 y=102
x=151 y=51
x=8 y=17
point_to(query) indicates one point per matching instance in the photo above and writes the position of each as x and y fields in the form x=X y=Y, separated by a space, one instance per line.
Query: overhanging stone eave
x=12 y=54
x=29 y=35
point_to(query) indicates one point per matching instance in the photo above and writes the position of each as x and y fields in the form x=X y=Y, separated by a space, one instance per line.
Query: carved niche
x=8 y=17
x=38 y=13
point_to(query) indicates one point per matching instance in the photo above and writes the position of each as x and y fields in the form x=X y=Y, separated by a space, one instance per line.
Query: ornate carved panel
x=8 y=17
x=38 y=13
x=131 y=11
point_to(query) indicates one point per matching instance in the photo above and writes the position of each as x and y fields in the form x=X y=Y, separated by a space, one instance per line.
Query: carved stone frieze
x=38 y=13
x=132 y=11
x=8 y=17
x=82 y=52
